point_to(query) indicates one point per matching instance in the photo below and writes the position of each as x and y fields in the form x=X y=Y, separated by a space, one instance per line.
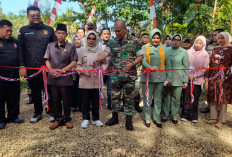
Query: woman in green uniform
x=179 y=60
x=155 y=58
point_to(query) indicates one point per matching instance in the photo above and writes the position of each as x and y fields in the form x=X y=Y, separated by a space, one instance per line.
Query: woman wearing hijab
x=221 y=55
x=76 y=92
x=179 y=60
x=155 y=58
x=198 y=58
x=89 y=82
x=168 y=40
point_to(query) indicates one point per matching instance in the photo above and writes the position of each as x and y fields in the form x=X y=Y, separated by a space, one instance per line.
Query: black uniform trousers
x=36 y=84
x=90 y=96
x=61 y=94
x=9 y=95
x=190 y=111
x=76 y=94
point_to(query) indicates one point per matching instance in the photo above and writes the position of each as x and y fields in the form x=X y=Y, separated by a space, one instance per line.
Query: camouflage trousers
x=124 y=89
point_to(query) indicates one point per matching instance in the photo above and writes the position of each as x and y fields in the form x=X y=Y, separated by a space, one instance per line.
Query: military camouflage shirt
x=122 y=52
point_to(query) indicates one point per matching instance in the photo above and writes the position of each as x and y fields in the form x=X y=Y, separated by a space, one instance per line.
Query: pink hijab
x=203 y=39
x=228 y=38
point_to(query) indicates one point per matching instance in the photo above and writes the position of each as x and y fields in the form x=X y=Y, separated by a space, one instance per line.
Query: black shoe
x=129 y=125
x=174 y=121
x=74 y=109
x=147 y=124
x=159 y=125
x=205 y=110
x=30 y=100
x=2 y=125
x=138 y=108
x=163 y=120
x=113 y=120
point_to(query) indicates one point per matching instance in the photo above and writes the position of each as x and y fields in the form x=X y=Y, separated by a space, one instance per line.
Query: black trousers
x=76 y=94
x=107 y=80
x=9 y=95
x=37 y=86
x=61 y=94
x=90 y=95
x=190 y=111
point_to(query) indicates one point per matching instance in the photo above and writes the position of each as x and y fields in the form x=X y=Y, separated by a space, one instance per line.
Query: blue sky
x=15 y=6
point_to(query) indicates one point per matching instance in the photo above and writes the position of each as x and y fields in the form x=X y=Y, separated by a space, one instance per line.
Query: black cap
x=187 y=39
x=61 y=27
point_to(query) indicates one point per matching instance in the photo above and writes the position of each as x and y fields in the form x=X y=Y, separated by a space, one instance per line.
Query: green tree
x=198 y=19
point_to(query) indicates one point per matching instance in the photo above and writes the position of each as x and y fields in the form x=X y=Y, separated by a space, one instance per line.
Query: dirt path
x=185 y=139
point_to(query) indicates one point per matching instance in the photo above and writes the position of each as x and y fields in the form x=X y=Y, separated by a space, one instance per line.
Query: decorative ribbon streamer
x=100 y=74
x=222 y=68
x=100 y=83
x=44 y=71
x=147 y=72
x=192 y=84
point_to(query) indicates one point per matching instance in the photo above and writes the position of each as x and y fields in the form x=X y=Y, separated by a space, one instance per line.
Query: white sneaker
x=183 y=119
x=51 y=118
x=35 y=118
x=194 y=121
x=85 y=123
x=97 y=122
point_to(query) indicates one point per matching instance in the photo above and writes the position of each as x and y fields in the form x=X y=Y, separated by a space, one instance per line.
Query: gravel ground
x=184 y=139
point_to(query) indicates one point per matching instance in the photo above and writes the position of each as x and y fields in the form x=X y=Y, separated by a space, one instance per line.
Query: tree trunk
x=214 y=9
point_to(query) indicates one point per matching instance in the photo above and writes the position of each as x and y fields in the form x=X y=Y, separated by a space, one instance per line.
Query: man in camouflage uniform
x=126 y=53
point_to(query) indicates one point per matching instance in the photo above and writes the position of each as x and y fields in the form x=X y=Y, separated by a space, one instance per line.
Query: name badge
x=151 y=54
x=29 y=33
x=1 y=45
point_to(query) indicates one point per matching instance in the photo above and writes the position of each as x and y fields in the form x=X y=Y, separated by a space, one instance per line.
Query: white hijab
x=228 y=38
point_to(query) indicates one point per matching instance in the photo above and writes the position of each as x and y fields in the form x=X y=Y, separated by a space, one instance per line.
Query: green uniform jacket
x=155 y=61
x=179 y=60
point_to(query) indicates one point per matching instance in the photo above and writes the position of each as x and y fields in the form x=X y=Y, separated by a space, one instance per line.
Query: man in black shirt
x=33 y=40
x=9 y=90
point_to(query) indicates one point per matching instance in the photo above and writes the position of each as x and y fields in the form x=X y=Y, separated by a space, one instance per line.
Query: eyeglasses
x=176 y=40
x=91 y=39
x=35 y=15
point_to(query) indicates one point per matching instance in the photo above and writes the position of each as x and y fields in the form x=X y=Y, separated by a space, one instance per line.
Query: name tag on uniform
x=151 y=54
x=29 y=33
x=1 y=45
